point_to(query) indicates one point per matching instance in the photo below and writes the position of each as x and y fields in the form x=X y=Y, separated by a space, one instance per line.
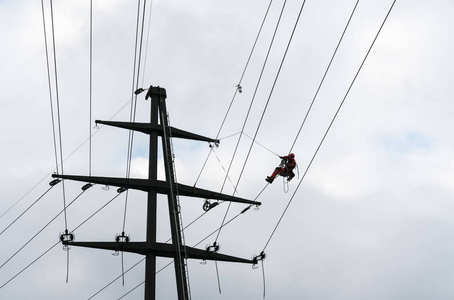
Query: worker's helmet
x=292 y=155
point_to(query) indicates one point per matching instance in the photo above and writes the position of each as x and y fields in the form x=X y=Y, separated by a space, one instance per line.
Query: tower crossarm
x=149 y=128
x=159 y=249
x=159 y=186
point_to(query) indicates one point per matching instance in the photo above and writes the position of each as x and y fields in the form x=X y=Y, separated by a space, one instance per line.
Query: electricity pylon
x=152 y=186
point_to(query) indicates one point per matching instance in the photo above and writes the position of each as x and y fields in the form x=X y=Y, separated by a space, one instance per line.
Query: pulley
x=208 y=205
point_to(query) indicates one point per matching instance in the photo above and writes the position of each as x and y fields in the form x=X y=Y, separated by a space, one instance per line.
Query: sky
x=369 y=214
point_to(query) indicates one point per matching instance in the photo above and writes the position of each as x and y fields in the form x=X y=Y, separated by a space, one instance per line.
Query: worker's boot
x=269 y=179
x=290 y=177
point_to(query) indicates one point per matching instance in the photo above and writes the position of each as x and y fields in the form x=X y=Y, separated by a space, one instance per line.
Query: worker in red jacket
x=286 y=167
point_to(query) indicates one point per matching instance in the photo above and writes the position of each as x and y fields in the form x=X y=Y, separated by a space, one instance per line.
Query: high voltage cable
x=90 y=85
x=41 y=230
x=36 y=201
x=250 y=106
x=324 y=75
x=91 y=216
x=69 y=156
x=146 y=43
x=236 y=90
x=137 y=61
x=329 y=127
x=58 y=110
x=49 y=86
x=271 y=92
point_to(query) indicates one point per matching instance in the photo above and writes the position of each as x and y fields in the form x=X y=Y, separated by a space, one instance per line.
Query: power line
x=91 y=85
x=28 y=208
x=329 y=127
x=91 y=216
x=237 y=89
x=58 y=110
x=324 y=75
x=41 y=230
x=253 y=97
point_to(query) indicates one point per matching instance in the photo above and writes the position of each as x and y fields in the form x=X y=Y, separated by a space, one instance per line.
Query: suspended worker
x=285 y=169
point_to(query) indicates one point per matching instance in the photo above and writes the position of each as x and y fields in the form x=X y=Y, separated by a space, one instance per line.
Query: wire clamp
x=122 y=238
x=66 y=237
x=215 y=144
x=258 y=258
x=213 y=248
x=239 y=88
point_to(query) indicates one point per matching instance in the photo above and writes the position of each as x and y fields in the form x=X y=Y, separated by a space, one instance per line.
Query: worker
x=286 y=167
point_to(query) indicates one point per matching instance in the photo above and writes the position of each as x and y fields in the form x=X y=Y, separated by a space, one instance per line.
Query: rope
x=329 y=127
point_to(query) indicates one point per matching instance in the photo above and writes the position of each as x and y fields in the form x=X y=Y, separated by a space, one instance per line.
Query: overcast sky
x=371 y=219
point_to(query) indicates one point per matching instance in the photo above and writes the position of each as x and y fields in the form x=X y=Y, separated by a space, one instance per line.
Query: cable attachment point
x=121 y=190
x=66 y=237
x=215 y=144
x=54 y=182
x=213 y=248
x=139 y=90
x=122 y=238
x=239 y=88
x=208 y=205
x=87 y=186
x=257 y=258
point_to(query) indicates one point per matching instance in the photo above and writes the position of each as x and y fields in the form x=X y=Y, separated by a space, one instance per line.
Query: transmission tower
x=151 y=249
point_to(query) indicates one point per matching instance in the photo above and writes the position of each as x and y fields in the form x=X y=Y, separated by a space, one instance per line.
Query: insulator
x=106 y=188
x=54 y=182
x=246 y=209
x=138 y=91
x=87 y=186
x=121 y=190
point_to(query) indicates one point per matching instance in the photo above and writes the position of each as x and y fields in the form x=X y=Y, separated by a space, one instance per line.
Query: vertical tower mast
x=151 y=248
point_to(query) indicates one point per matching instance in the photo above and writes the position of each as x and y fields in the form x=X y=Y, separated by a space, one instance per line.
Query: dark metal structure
x=159 y=127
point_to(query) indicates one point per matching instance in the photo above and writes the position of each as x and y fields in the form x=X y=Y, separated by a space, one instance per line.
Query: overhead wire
x=249 y=110
x=57 y=164
x=28 y=208
x=90 y=87
x=146 y=43
x=236 y=90
x=41 y=230
x=329 y=127
x=58 y=110
x=49 y=86
x=53 y=246
x=324 y=76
